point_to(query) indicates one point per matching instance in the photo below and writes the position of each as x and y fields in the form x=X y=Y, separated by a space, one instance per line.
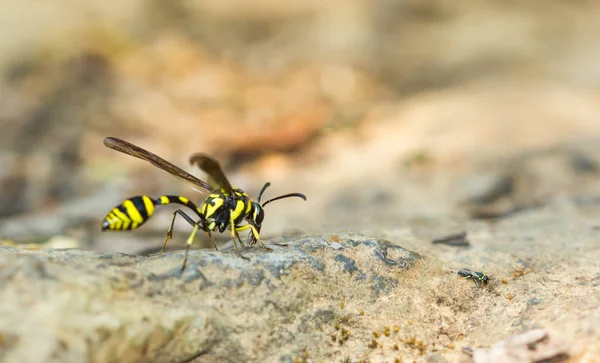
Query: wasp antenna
x=299 y=195
x=267 y=184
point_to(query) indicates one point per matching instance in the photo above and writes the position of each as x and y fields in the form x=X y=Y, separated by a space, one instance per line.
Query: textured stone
x=71 y=305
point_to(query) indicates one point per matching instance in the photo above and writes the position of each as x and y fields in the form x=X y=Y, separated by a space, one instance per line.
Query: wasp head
x=258 y=214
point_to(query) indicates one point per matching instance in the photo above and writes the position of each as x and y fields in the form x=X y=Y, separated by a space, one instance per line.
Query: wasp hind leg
x=170 y=231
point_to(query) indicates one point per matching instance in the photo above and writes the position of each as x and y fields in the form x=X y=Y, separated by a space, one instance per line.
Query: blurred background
x=382 y=112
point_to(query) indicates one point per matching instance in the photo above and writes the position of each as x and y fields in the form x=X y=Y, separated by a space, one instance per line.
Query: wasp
x=225 y=207
x=479 y=277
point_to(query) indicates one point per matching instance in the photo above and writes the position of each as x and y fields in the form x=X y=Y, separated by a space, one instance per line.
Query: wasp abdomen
x=130 y=214
x=134 y=212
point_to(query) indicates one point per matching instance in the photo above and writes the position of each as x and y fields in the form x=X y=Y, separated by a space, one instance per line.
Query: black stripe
x=138 y=202
x=171 y=199
x=174 y=199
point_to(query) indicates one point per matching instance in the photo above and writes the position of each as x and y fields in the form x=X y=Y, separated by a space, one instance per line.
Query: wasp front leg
x=255 y=234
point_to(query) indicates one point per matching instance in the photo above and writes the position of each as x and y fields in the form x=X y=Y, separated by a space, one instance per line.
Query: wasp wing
x=136 y=151
x=213 y=169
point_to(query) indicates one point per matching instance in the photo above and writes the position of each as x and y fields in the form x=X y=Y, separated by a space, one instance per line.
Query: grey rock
x=73 y=305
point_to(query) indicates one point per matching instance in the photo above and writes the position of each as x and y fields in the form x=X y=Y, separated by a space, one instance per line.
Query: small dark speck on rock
x=130 y=275
x=534 y=301
x=253 y=277
x=584 y=164
x=382 y=284
x=195 y=274
x=404 y=263
x=355 y=243
x=155 y=277
x=349 y=264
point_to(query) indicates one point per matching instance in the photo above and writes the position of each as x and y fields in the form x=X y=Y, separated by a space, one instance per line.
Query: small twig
x=455 y=239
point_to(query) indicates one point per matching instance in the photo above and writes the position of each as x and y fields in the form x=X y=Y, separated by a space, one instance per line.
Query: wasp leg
x=189 y=242
x=251 y=238
x=254 y=234
x=265 y=247
x=235 y=235
x=170 y=231
x=240 y=240
x=211 y=239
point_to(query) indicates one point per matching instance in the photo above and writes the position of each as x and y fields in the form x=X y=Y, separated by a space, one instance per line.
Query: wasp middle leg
x=170 y=231
x=234 y=235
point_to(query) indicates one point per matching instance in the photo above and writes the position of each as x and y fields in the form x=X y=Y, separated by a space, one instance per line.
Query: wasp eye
x=259 y=214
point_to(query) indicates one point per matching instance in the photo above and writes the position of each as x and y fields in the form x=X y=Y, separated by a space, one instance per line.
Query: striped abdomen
x=135 y=211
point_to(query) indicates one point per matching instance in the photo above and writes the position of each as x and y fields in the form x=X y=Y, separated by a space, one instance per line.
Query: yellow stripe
x=190 y=240
x=118 y=223
x=164 y=200
x=255 y=232
x=109 y=219
x=215 y=195
x=211 y=209
x=149 y=205
x=212 y=225
x=203 y=208
x=114 y=222
x=239 y=207
x=232 y=226
x=133 y=213
x=122 y=217
x=184 y=200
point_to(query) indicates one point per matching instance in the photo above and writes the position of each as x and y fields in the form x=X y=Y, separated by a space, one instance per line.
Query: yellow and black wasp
x=479 y=277
x=225 y=207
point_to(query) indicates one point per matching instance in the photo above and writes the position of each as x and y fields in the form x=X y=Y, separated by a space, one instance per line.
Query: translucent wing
x=136 y=151
x=213 y=169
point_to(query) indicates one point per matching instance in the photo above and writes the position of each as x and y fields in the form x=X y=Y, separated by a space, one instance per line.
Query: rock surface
x=78 y=305
x=331 y=297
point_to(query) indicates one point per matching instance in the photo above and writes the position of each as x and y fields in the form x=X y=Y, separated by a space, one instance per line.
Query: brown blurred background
x=382 y=112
